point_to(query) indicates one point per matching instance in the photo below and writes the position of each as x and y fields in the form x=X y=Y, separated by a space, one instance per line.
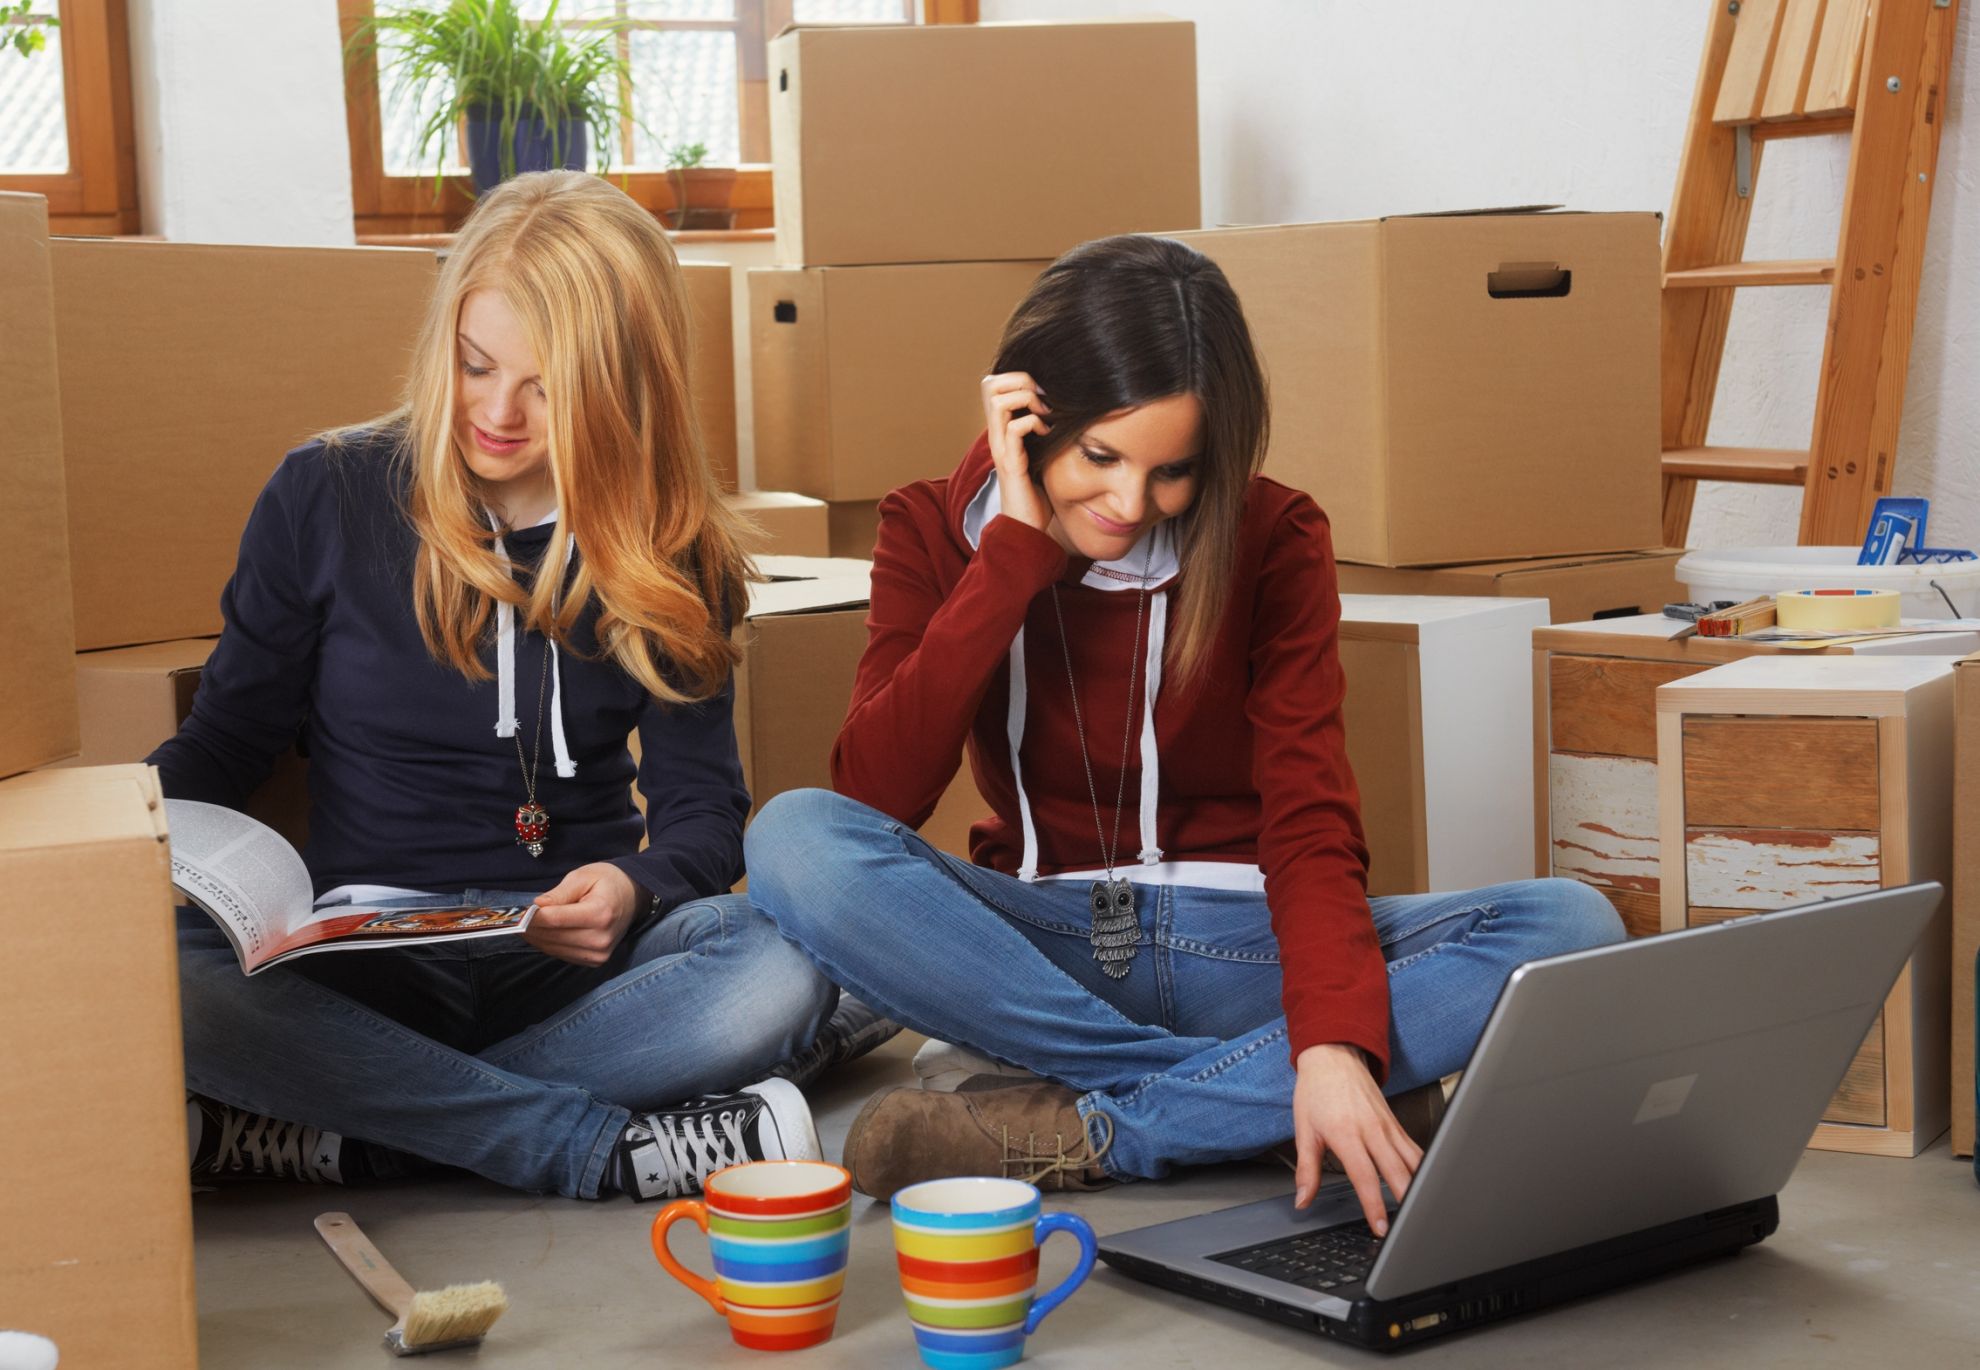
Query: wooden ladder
x=1877 y=71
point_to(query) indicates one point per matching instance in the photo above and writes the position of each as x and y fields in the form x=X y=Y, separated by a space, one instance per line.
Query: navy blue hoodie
x=409 y=783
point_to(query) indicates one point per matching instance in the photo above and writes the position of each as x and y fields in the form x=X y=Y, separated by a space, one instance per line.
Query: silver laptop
x=1627 y=1110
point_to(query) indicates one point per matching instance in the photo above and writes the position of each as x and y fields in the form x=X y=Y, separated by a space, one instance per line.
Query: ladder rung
x=1804 y=128
x=1811 y=272
x=1754 y=465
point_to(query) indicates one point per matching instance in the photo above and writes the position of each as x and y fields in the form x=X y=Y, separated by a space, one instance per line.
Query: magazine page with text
x=254 y=885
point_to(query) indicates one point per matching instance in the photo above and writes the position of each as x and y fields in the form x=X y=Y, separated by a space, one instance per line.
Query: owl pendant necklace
x=532 y=819
x=1116 y=934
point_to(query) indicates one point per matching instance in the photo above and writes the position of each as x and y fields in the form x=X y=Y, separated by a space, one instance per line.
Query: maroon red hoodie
x=1239 y=780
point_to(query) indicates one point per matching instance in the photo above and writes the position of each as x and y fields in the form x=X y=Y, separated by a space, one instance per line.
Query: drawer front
x=1806 y=773
x=1607 y=705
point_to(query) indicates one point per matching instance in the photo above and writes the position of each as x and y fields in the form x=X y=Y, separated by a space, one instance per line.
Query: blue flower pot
x=532 y=146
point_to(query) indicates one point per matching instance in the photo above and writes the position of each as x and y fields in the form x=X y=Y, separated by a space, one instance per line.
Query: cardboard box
x=1965 y=895
x=855 y=526
x=1438 y=716
x=96 y=1247
x=1461 y=388
x=888 y=144
x=712 y=374
x=802 y=641
x=187 y=371
x=133 y=698
x=865 y=378
x=1577 y=589
x=793 y=525
x=37 y=671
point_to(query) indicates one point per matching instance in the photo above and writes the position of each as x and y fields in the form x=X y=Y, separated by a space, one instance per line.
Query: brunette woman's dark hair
x=1119 y=322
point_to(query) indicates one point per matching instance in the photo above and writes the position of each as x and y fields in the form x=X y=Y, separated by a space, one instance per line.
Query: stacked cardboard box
x=37 y=667
x=1965 y=897
x=903 y=251
x=1470 y=392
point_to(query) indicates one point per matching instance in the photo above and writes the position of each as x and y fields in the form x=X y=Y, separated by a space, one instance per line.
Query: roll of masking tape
x=1837 y=610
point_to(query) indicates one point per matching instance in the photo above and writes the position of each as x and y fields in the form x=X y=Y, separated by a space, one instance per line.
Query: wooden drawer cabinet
x=1595 y=752
x=1785 y=780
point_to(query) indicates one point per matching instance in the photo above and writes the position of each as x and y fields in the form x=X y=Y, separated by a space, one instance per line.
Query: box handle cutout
x=1621 y=611
x=786 y=311
x=783 y=78
x=1528 y=281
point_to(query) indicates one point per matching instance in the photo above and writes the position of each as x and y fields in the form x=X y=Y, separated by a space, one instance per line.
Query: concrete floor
x=1877 y=1263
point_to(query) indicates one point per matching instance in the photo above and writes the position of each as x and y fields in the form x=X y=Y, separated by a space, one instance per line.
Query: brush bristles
x=460 y=1312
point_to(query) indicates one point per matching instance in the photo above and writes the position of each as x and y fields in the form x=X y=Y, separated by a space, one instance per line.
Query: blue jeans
x=1187 y=1054
x=489 y=1055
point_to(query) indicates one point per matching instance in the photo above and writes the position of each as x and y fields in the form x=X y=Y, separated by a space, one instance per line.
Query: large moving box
x=1466 y=387
x=807 y=629
x=37 y=671
x=978 y=142
x=96 y=1245
x=793 y=525
x=1965 y=896
x=866 y=378
x=1577 y=589
x=133 y=698
x=802 y=640
x=187 y=371
x=712 y=375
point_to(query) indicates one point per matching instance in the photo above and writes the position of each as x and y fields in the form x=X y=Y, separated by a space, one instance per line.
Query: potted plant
x=533 y=94
x=26 y=39
x=701 y=193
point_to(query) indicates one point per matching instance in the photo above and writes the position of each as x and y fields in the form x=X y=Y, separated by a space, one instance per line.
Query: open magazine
x=253 y=884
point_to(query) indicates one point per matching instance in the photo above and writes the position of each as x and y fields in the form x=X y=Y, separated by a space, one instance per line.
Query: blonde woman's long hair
x=594 y=281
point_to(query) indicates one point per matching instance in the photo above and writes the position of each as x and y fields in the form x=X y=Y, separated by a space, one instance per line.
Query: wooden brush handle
x=370 y=1269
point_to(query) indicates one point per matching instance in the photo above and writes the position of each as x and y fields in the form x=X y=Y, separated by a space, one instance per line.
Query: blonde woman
x=464 y=608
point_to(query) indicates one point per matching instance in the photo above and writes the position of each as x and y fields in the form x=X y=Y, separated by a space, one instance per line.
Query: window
x=65 y=118
x=700 y=75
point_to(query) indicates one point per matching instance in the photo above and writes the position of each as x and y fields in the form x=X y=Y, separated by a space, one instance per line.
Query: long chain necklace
x=532 y=820
x=1116 y=930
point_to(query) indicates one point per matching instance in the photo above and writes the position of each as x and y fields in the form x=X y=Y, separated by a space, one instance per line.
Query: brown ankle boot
x=1027 y=1131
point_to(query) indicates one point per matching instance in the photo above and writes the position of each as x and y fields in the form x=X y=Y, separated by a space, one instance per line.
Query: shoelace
x=269 y=1146
x=1034 y=1166
x=692 y=1149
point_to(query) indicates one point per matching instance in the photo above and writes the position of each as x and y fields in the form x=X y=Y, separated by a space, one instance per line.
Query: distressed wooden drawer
x=1787 y=780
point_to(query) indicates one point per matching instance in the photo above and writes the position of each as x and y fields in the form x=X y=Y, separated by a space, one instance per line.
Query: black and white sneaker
x=853 y=1030
x=671 y=1153
x=227 y=1142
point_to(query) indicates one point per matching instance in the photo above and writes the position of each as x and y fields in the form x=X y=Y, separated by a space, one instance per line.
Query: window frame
x=98 y=195
x=403 y=206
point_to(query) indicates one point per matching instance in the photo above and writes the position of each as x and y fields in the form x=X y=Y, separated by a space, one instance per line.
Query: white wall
x=1338 y=109
x=239 y=107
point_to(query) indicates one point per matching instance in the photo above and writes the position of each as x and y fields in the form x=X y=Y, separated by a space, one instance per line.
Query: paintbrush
x=428 y=1320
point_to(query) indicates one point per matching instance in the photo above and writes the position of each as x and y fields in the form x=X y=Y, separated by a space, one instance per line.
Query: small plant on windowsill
x=532 y=93
x=25 y=38
x=701 y=193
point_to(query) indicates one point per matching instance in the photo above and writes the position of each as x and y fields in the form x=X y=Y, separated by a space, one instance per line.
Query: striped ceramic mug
x=968 y=1252
x=779 y=1232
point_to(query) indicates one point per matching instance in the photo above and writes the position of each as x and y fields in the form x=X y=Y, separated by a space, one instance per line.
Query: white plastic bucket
x=1741 y=573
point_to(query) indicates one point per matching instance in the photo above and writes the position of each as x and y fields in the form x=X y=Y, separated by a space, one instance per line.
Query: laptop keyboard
x=1325 y=1260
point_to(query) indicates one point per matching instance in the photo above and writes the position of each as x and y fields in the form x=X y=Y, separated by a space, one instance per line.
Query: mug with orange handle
x=779 y=1233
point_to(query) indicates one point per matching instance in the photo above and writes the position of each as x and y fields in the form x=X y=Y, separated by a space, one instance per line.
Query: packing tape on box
x=1836 y=610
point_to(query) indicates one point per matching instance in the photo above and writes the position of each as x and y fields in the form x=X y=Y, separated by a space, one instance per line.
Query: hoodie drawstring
x=505 y=675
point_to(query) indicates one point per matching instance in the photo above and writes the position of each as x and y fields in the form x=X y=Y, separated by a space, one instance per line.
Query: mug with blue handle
x=968 y=1254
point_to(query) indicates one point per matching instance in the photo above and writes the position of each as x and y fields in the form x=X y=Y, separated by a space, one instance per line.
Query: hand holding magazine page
x=252 y=883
